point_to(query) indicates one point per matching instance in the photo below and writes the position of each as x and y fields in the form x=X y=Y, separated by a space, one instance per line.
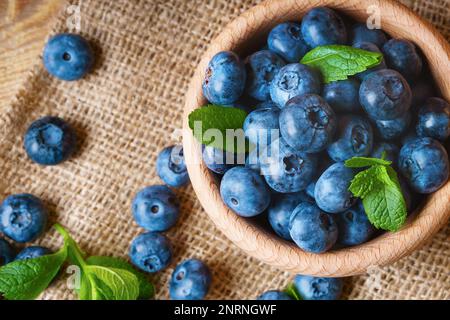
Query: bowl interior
x=247 y=34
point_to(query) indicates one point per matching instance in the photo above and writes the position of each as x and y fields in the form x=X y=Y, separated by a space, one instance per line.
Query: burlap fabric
x=125 y=113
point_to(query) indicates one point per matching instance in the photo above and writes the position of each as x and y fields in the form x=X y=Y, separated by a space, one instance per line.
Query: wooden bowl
x=245 y=35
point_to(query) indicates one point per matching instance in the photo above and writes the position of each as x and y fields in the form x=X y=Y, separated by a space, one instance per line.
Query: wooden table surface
x=24 y=24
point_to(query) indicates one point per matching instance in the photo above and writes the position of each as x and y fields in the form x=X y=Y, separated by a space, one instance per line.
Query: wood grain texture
x=244 y=35
x=24 y=25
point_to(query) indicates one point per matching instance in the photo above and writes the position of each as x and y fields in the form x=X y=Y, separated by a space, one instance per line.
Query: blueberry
x=401 y=55
x=274 y=295
x=286 y=40
x=225 y=78
x=360 y=33
x=171 y=167
x=217 y=160
x=390 y=149
x=424 y=164
x=315 y=288
x=312 y=229
x=23 y=217
x=422 y=89
x=354 y=139
x=307 y=123
x=331 y=192
x=190 y=280
x=261 y=69
x=368 y=46
x=395 y=128
x=280 y=210
x=155 y=208
x=385 y=95
x=354 y=226
x=266 y=105
x=287 y=170
x=68 y=56
x=259 y=124
x=343 y=96
x=322 y=26
x=150 y=252
x=32 y=252
x=310 y=189
x=6 y=253
x=434 y=119
x=293 y=80
x=244 y=191
x=49 y=141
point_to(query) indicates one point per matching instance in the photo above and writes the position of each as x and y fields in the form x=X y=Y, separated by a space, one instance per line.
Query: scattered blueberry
x=244 y=191
x=23 y=217
x=32 y=252
x=401 y=55
x=360 y=33
x=368 y=46
x=343 y=96
x=286 y=40
x=293 y=80
x=156 y=208
x=312 y=288
x=68 y=56
x=151 y=252
x=262 y=67
x=424 y=164
x=385 y=95
x=190 y=280
x=354 y=139
x=354 y=226
x=287 y=170
x=171 y=168
x=49 y=141
x=322 y=26
x=395 y=128
x=225 y=78
x=259 y=124
x=331 y=192
x=280 y=211
x=312 y=229
x=434 y=119
x=274 y=295
x=6 y=253
x=308 y=123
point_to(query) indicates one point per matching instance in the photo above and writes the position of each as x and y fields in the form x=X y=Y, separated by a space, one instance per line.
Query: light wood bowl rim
x=400 y=22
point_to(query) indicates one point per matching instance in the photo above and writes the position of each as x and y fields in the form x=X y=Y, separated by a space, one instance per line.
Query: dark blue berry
x=171 y=167
x=274 y=295
x=286 y=40
x=32 y=252
x=343 y=96
x=395 y=128
x=190 y=280
x=360 y=33
x=434 y=119
x=401 y=55
x=150 y=252
x=315 y=288
x=354 y=226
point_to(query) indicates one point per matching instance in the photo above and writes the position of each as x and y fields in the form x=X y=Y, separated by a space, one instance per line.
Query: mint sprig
x=338 y=62
x=292 y=292
x=218 y=126
x=102 y=278
x=380 y=191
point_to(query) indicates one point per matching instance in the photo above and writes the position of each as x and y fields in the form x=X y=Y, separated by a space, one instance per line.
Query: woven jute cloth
x=124 y=113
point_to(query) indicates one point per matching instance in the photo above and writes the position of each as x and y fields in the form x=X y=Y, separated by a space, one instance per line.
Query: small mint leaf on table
x=338 y=62
x=292 y=292
x=215 y=126
x=380 y=191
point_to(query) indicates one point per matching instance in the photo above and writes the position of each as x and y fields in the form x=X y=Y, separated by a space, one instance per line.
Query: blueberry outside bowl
x=245 y=35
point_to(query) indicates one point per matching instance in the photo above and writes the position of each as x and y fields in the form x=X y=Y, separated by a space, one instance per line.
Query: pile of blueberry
x=50 y=140
x=392 y=108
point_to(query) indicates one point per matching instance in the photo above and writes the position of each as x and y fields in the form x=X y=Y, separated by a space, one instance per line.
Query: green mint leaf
x=382 y=198
x=362 y=162
x=337 y=62
x=292 y=292
x=218 y=126
x=27 y=279
x=112 y=283
x=146 y=289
